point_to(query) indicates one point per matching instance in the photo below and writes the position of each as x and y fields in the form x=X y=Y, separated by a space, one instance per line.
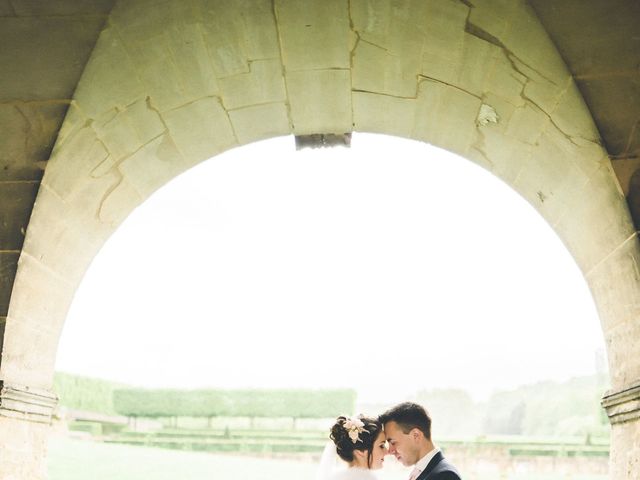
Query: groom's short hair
x=409 y=415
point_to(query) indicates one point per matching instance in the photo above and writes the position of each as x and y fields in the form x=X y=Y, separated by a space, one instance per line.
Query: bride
x=360 y=443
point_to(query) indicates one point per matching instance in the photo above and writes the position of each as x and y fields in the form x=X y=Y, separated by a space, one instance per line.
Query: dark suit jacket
x=439 y=469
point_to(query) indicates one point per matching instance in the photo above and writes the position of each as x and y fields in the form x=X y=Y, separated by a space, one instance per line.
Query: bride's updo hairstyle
x=350 y=434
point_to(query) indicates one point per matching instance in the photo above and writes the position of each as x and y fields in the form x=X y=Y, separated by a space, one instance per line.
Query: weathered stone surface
x=614 y=282
x=8 y=267
x=17 y=200
x=624 y=458
x=446 y=116
x=320 y=101
x=263 y=84
x=109 y=80
x=81 y=153
x=29 y=130
x=23 y=443
x=65 y=237
x=314 y=35
x=158 y=162
x=377 y=70
x=32 y=8
x=260 y=122
x=200 y=129
x=125 y=131
x=383 y=114
x=604 y=220
x=549 y=178
x=54 y=48
x=390 y=40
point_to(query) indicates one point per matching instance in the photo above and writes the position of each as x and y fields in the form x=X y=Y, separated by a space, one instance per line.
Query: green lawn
x=72 y=459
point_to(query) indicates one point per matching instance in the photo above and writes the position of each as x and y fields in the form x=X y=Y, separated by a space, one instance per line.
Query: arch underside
x=169 y=87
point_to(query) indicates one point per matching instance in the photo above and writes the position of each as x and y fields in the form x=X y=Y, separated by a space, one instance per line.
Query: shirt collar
x=424 y=461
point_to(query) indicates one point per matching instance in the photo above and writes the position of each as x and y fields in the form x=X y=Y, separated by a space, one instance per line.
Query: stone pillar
x=25 y=418
x=623 y=409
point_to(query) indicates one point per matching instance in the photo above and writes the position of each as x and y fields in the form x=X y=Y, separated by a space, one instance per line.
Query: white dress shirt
x=423 y=462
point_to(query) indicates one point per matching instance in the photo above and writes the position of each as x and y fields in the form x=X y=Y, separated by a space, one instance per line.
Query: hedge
x=136 y=402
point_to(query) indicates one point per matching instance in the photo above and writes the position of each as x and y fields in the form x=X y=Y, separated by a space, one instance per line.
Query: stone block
x=101 y=203
x=320 y=101
x=54 y=48
x=314 y=35
x=593 y=229
x=161 y=77
x=550 y=177
x=29 y=131
x=446 y=116
x=224 y=34
x=29 y=352
x=261 y=32
x=125 y=131
x=41 y=296
x=62 y=7
x=377 y=70
x=8 y=268
x=379 y=21
x=478 y=60
x=189 y=52
x=152 y=166
x=493 y=17
x=61 y=239
x=501 y=154
x=444 y=43
x=110 y=78
x=145 y=120
x=529 y=42
x=17 y=202
x=527 y=123
x=504 y=81
x=260 y=122
x=200 y=130
x=169 y=51
x=383 y=114
x=73 y=161
x=572 y=116
x=263 y=84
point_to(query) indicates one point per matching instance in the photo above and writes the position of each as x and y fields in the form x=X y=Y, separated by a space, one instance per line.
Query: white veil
x=328 y=462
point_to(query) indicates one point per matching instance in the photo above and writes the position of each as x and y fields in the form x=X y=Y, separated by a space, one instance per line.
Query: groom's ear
x=416 y=434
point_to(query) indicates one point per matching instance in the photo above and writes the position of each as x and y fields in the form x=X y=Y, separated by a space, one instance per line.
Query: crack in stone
x=107 y=194
x=423 y=78
x=570 y=138
x=151 y=107
x=352 y=56
x=357 y=90
x=479 y=145
x=482 y=34
x=284 y=70
x=513 y=59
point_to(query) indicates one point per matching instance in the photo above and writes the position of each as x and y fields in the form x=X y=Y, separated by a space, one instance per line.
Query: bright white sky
x=389 y=267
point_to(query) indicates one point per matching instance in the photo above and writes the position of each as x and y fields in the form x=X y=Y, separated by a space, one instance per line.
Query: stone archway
x=169 y=86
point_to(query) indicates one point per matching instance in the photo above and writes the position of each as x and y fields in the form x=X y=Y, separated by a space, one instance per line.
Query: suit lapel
x=430 y=466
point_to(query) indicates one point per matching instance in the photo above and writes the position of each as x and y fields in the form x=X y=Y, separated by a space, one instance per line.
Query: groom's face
x=402 y=445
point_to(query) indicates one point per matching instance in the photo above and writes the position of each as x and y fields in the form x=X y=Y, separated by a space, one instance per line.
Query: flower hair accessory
x=354 y=428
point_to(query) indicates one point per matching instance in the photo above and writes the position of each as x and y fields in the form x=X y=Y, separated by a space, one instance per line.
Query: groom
x=407 y=427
